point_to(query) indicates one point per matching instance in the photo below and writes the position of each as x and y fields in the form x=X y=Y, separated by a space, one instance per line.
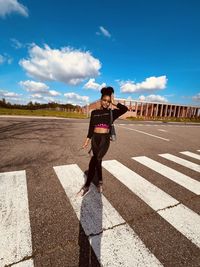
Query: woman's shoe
x=100 y=187
x=83 y=191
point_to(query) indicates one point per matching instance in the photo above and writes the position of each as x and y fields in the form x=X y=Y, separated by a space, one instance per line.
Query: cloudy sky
x=66 y=50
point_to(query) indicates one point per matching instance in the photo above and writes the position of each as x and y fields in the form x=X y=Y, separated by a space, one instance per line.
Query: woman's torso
x=102 y=127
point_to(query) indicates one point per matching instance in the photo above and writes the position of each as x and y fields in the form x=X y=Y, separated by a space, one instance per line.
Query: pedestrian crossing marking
x=185 y=220
x=26 y=263
x=112 y=239
x=113 y=246
x=183 y=162
x=177 y=177
x=190 y=154
x=15 y=231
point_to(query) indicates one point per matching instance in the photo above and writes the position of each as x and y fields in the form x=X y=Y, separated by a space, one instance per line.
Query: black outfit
x=100 y=141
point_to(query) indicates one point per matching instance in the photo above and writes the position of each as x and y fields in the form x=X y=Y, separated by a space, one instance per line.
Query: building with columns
x=149 y=110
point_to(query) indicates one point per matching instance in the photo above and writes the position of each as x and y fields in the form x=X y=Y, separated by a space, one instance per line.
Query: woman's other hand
x=86 y=143
x=112 y=98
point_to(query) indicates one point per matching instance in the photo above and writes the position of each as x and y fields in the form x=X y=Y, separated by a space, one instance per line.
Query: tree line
x=35 y=105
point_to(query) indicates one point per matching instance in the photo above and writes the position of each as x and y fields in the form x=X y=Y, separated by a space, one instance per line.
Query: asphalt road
x=148 y=214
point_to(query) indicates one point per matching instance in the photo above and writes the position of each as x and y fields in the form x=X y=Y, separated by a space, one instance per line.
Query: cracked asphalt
x=36 y=145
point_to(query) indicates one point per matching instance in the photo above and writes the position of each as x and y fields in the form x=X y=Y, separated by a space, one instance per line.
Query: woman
x=99 y=133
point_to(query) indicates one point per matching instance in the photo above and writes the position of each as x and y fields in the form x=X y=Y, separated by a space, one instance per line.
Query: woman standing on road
x=99 y=133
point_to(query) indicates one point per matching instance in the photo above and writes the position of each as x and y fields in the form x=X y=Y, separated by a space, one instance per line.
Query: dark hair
x=108 y=90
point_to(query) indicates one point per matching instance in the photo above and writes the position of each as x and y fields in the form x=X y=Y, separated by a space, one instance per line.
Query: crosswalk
x=15 y=231
x=113 y=240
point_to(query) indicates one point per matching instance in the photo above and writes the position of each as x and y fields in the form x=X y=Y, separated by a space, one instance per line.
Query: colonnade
x=152 y=109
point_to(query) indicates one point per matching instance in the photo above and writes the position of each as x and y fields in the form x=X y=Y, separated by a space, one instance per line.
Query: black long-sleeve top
x=103 y=116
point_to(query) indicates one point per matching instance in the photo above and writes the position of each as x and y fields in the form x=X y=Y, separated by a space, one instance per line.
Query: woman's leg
x=102 y=149
x=93 y=161
x=91 y=171
x=100 y=144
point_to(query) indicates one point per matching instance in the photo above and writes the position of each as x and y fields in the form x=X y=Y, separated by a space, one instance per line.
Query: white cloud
x=91 y=84
x=37 y=95
x=32 y=86
x=151 y=83
x=40 y=89
x=66 y=65
x=7 y=94
x=2 y=59
x=16 y=98
x=196 y=97
x=12 y=6
x=76 y=99
x=16 y=44
x=5 y=59
x=153 y=98
x=103 y=32
x=54 y=93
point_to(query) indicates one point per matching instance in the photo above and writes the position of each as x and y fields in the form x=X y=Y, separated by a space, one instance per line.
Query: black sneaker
x=100 y=187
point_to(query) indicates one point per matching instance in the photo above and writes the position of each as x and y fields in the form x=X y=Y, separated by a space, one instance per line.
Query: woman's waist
x=101 y=133
x=102 y=125
x=101 y=129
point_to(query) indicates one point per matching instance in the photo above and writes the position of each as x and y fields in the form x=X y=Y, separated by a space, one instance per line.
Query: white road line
x=145 y=133
x=149 y=193
x=183 y=162
x=15 y=231
x=115 y=246
x=198 y=150
x=26 y=263
x=180 y=217
x=190 y=154
x=162 y=130
x=177 y=177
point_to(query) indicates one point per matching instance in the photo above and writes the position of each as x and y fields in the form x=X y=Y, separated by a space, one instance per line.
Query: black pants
x=100 y=143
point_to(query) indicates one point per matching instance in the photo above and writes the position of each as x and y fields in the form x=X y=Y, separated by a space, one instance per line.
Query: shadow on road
x=91 y=221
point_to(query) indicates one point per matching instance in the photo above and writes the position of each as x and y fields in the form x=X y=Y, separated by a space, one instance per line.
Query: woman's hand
x=86 y=143
x=112 y=100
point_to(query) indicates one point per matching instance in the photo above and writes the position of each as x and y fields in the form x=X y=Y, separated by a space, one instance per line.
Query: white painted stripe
x=190 y=154
x=198 y=150
x=149 y=193
x=162 y=130
x=26 y=263
x=177 y=177
x=15 y=231
x=183 y=219
x=145 y=133
x=183 y=162
x=118 y=244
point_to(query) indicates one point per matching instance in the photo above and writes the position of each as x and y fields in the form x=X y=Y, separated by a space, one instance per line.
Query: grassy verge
x=39 y=112
x=164 y=119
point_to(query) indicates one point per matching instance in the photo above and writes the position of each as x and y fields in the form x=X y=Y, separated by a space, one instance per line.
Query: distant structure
x=148 y=109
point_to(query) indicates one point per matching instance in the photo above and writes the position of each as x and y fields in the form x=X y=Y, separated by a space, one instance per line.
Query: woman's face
x=105 y=101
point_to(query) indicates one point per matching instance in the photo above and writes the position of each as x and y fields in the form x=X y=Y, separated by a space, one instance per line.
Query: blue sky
x=66 y=50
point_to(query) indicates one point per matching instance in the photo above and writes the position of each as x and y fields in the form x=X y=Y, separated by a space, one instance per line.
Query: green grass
x=164 y=119
x=45 y=113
